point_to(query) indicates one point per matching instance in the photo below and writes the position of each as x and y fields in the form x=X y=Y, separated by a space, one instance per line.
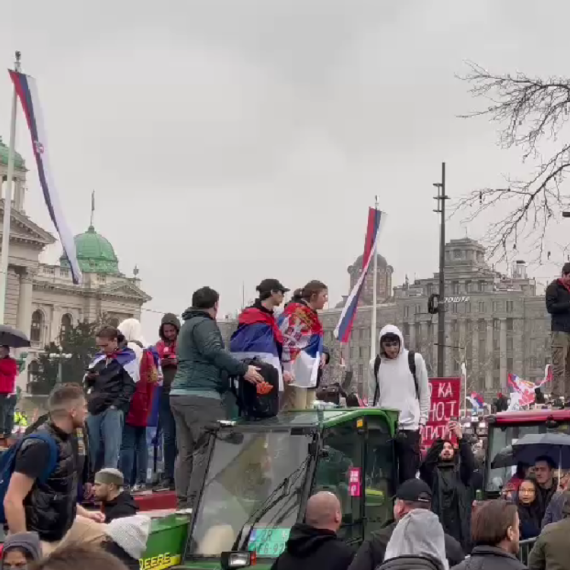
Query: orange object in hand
x=264 y=388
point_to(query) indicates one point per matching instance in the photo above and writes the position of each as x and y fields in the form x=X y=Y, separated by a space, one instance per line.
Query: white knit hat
x=130 y=533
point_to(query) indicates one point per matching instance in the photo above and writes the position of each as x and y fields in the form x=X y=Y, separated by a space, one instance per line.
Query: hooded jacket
x=145 y=375
x=167 y=351
x=419 y=533
x=309 y=548
x=373 y=550
x=127 y=539
x=123 y=505
x=397 y=388
x=203 y=363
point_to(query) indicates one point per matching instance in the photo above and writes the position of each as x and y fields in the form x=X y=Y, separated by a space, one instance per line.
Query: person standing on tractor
x=449 y=474
x=303 y=344
x=558 y=305
x=166 y=347
x=258 y=335
x=204 y=367
x=398 y=380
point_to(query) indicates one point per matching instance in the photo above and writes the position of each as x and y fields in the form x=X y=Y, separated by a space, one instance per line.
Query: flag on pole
x=27 y=94
x=344 y=326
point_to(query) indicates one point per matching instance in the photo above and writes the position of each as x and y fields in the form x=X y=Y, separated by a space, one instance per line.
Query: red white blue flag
x=344 y=326
x=27 y=94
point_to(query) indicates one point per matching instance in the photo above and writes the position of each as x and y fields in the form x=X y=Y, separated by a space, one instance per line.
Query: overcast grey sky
x=232 y=140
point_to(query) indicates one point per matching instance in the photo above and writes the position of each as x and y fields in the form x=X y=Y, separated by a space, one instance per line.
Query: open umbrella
x=556 y=446
x=504 y=458
x=12 y=337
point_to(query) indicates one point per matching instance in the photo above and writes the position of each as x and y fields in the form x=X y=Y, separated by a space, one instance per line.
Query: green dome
x=95 y=253
x=19 y=162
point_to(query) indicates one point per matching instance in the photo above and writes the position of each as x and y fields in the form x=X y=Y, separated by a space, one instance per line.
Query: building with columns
x=496 y=323
x=41 y=298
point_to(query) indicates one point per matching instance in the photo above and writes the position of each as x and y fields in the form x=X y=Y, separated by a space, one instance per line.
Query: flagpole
x=373 y=326
x=8 y=201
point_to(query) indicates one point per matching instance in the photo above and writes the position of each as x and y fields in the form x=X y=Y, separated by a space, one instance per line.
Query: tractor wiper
x=271 y=501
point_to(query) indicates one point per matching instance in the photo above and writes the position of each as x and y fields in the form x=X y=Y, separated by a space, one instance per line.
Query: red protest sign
x=445 y=394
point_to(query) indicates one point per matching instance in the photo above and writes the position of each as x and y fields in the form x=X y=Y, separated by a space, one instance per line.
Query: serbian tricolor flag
x=27 y=94
x=258 y=336
x=344 y=326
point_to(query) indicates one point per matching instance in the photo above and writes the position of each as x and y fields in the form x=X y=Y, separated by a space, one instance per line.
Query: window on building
x=481 y=286
x=406 y=329
x=497 y=324
x=497 y=363
x=482 y=326
x=66 y=323
x=510 y=307
x=496 y=306
x=481 y=306
x=468 y=307
x=510 y=344
x=418 y=309
x=509 y=365
x=406 y=312
x=429 y=289
x=468 y=286
x=360 y=352
x=360 y=373
x=37 y=326
x=454 y=307
x=510 y=324
x=457 y=253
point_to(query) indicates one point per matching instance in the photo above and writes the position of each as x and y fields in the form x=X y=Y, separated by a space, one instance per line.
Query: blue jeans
x=9 y=414
x=168 y=428
x=105 y=431
x=134 y=454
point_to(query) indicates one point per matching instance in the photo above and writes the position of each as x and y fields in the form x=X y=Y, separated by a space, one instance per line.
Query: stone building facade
x=496 y=324
x=41 y=298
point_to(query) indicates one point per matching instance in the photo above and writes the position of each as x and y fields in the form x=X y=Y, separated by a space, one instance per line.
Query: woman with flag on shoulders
x=258 y=335
x=303 y=344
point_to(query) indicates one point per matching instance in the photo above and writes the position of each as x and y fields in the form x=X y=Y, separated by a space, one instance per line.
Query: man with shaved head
x=314 y=543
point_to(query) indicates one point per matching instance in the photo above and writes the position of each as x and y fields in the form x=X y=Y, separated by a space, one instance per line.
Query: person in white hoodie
x=398 y=379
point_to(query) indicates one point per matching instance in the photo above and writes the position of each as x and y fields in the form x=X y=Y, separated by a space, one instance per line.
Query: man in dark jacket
x=166 y=347
x=495 y=538
x=448 y=473
x=558 y=305
x=412 y=494
x=116 y=503
x=551 y=547
x=110 y=386
x=314 y=544
x=196 y=393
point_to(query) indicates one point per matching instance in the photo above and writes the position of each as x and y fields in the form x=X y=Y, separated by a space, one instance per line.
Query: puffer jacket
x=51 y=506
x=203 y=363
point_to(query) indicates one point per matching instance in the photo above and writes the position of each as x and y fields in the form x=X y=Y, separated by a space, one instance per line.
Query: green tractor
x=259 y=476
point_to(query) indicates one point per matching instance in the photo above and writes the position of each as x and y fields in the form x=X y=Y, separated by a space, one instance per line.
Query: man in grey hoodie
x=417 y=542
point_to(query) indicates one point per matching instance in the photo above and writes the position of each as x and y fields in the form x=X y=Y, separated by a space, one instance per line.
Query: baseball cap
x=414 y=490
x=268 y=285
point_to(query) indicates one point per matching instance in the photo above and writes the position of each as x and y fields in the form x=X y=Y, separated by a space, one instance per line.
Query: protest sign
x=445 y=394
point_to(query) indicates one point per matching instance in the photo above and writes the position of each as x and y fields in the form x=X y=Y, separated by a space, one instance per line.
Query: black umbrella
x=12 y=337
x=556 y=446
x=504 y=458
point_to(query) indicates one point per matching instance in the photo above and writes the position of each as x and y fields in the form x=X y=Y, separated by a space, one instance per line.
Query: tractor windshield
x=245 y=474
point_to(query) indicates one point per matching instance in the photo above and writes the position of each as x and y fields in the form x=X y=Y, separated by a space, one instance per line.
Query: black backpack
x=411 y=364
x=410 y=562
x=251 y=404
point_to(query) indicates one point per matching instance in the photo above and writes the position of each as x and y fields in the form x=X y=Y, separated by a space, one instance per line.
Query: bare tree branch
x=530 y=111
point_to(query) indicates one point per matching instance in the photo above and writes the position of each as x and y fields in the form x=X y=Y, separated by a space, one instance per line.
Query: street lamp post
x=60 y=358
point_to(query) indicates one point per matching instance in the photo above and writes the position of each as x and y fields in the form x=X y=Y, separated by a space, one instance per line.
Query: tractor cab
x=260 y=475
x=505 y=428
